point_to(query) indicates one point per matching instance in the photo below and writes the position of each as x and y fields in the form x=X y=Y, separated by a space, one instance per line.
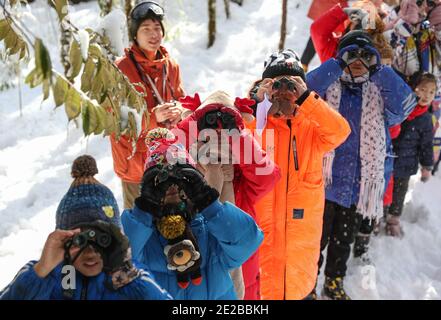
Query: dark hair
x=423 y=78
x=135 y=23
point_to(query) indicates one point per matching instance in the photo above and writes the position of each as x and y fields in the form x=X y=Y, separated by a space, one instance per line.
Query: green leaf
x=59 y=90
x=46 y=89
x=4 y=29
x=97 y=83
x=34 y=78
x=72 y=104
x=11 y=40
x=87 y=76
x=75 y=59
x=101 y=115
x=42 y=59
x=95 y=51
x=60 y=6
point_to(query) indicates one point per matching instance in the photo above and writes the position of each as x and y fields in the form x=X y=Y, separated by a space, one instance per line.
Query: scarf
x=418 y=111
x=372 y=144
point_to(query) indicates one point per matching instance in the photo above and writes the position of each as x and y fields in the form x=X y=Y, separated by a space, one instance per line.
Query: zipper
x=85 y=283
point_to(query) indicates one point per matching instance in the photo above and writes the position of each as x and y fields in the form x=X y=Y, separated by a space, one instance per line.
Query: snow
x=84 y=43
x=37 y=149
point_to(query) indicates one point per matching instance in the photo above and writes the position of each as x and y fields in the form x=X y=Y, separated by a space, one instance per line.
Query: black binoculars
x=212 y=119
x=92 y=237
x=278 y=84
x=430 y=3
x=167 y=172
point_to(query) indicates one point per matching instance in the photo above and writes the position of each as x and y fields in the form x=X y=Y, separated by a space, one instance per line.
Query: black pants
x=340 y=225
x=367 y=226
x=401 y=185
x=309 y=52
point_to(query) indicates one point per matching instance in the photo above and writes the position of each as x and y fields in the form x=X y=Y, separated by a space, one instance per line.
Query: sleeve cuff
x=212 y=211
x=308 y=105
x=303 y=97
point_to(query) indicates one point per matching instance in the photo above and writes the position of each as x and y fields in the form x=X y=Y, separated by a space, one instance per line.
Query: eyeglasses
x=143 y=8
x=212 y=118
x=278 y=84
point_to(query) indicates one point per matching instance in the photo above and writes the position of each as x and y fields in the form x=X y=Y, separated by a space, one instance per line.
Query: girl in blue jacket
x=371 y=97
x=179 y=229
x=87 y=257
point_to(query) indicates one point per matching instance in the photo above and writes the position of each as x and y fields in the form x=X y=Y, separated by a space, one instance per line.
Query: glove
x=197 y=189
x=117 y=257
x=151 y=194
x=343 y=56
x=356 y=15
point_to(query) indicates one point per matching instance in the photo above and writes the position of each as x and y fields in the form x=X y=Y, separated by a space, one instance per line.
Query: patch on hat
x=108 y=211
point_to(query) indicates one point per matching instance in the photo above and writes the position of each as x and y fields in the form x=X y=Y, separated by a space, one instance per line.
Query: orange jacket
x=291 y=216
x=133 y=169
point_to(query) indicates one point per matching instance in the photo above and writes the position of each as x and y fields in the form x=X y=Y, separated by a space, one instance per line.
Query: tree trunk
x=128 y=7
x=283 y=25
x=227 y=8
x=211 y=22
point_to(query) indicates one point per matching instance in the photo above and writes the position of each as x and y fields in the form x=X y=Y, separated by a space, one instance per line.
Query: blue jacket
x=414 y=145
x=399 y=101
x=226 y=235
x=28 y=286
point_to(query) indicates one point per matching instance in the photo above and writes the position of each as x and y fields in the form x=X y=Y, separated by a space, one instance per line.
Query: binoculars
x=92 y=237
x=278 y=84
x=430 y=3
x=216 y=119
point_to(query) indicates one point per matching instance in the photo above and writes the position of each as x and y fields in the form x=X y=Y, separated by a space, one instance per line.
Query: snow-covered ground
x=37 y=149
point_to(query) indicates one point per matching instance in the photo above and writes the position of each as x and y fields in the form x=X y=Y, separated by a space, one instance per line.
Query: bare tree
x=211 y=22
x=283 y=25
x=227 y=8
x=128 y=7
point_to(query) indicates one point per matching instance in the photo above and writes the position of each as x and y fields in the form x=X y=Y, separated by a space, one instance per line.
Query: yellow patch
x=108 y=211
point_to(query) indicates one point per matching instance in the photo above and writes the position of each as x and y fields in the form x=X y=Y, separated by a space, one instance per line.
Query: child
x=151 y=69
x=372 y=98
x=240 y=183
x=88 y=236
x=414 y=145
x=181 y=231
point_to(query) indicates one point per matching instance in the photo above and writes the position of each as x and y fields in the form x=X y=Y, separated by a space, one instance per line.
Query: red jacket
x=249 y=188
x=318 y=7
x=327 y=30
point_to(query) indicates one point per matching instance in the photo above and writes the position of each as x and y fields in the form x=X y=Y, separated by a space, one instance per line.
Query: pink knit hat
x=163 y=149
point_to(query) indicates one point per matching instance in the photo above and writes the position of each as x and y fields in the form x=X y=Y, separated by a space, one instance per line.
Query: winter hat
x=357 y=37
x=281 y=63
x=221 y=101
x=162 y=148
x=435 y=17
x=145 y=10
x=87 y=200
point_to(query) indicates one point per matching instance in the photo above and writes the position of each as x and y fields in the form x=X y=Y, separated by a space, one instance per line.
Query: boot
x=333 y=289
x=361 y=247
x=393 y=227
